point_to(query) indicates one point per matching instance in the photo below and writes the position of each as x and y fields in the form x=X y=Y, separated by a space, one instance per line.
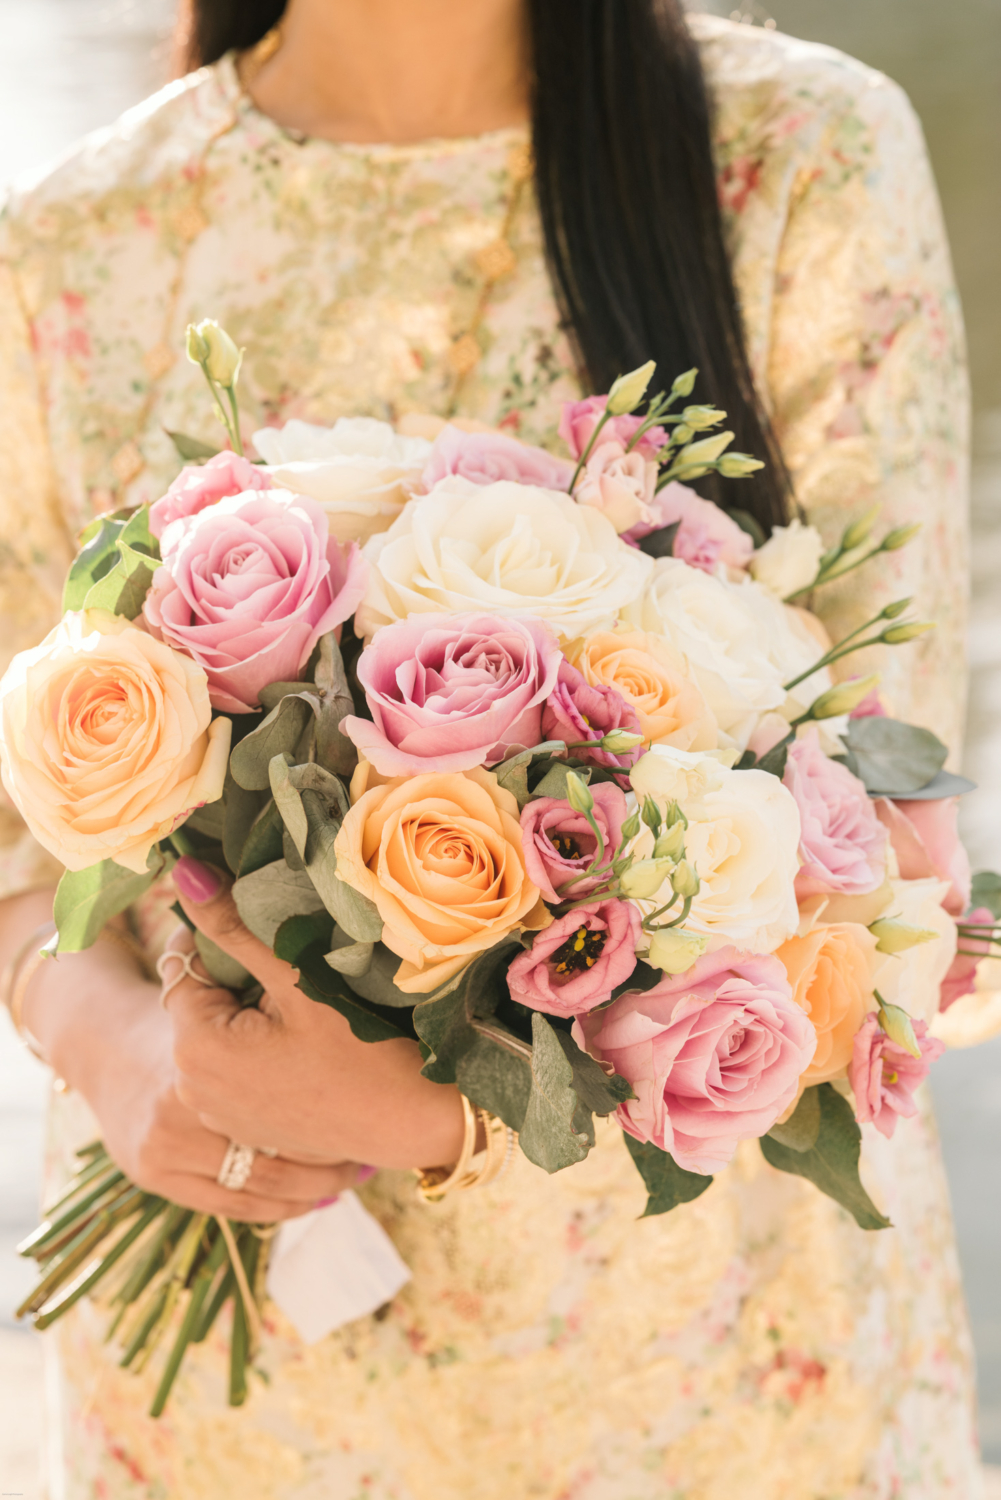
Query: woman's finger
x=206 y=897
x=194 y=998
x=206 y=1197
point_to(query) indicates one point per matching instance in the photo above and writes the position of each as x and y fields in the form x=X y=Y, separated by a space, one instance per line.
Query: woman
x=351 y=197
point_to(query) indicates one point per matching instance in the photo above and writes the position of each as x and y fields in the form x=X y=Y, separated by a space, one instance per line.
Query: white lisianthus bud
x=578 y=796
x=855 y=534
x=685 y=384
x=701 y=417
x=197 y=347
x=898 y=634
x=652 y=816
x=842 y=698
x=893 y=936
x=674 y=950
x=900 y=536
x=631 y=826
x=619 y=741
x=684 y=880
x=738 y=465
x=896 y=608
x=897 y=1025
x=790 y=559
x=223 y=359
x=644 y=879
x=706 y=451
x=671 y=845
x=629 y=390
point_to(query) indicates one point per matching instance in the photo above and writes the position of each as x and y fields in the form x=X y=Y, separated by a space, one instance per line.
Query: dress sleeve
x=35 y=549
x=865 y=370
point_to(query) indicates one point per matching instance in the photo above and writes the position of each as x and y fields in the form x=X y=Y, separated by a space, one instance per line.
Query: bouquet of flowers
x=537 y=760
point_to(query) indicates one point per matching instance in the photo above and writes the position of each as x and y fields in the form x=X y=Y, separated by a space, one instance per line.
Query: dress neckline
x=436 y=147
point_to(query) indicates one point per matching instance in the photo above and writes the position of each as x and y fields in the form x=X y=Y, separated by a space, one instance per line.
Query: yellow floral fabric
x=755 y=1342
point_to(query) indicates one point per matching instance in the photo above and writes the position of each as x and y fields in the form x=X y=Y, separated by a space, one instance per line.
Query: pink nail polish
x=326 y=1202
x=196 y=882
x=365 y=1174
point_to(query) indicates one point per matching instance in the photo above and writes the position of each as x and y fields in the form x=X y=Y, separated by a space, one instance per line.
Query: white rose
x=743 y=839
x=511 y=549
x=742 y=643
x=789 y=559
x=357 y=470
x=912 y=979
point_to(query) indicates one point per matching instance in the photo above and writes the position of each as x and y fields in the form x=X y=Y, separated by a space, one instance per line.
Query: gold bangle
x=471 y=1170
x=19 y=974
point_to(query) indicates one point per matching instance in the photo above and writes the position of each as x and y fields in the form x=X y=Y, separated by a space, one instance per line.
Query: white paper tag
x=331 y=1266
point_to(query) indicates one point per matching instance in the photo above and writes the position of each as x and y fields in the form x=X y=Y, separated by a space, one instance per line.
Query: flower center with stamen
x=889 y=1076
x=565 y=846
x=579 y=953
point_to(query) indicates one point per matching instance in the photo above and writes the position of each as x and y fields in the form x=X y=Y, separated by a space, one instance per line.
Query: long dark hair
x=621 y=127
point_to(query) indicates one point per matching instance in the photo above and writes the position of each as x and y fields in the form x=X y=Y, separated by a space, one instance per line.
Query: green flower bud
x=674 y=950
x=684 y=880
x=856 y=533
x=682 y=434
x=900 y=536
x=893 y=610
x=685 y=384
x=898 y=634
x=644 y=879
x=707 y=451
x=897 y=1025
x=578 y=796
x=738 y=465
x=842 y=698
x=631 y=826
x=629 y=390
x=674 y=815
x=670 y=845
x=223 y=360
x=651 y=815
x=700 y=417
x=619 y=741
x=896 y=937
x=197 y=346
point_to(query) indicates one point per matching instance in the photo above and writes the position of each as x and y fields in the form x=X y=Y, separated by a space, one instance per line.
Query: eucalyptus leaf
x=986 y=891
x=893 y=759
x=263 y=844
x=353 y=961
x=226 y=971
x=832 y=1162
x=240 y=812
x=376 y=982
x=598 y=1091
x=774 y=760
x=945 y=784
x=334 y=750
x=444 y=1020
x=496 y=1080
x=667 y=1184
x=273 y=694
x=208 y=820
x=550 y=1135
x=281 y=732
x=802 y=1128
x=321 y=983
x=88 y=899
x=269 y=896
x=660 y=543
x=512 y=773
x=313 y=803
x=191 y=449
x=554 y=783
x=297 y=934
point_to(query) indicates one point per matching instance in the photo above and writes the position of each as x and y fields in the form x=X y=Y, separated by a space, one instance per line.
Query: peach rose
x=654 y=679
x=107 y=740
x=831 y=973
x=441 y=857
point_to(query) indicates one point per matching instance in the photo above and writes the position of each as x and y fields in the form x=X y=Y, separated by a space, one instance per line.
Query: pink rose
x=884 y=1075
x=575 y=711
x=714 y=1055
x=577 y=962
x=450 y=692
x=485 y=457
x=196 y=488
x=247 y=588
x=619 y=484
x=925 y=839
x=559 y=843
x=842 y=843
x=706 y=536
x=962 y=974
x=578 y=420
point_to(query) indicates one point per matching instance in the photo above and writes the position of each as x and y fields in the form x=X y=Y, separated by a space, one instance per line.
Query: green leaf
x=554 y=783
x=313 y=804
x=87 y=899
x=263 y=844
x=191 y=449
x=643 y=978
x=496 y=1080
x=832 y=1163
x=269 y=896
x=376 y=983
x=209 y=821
x=774 y=761
x=240 y=811
x=334 y=750
x=893 y=759
x=281 y=732
x=137 y=536
x=273 y=694
x=512 y=774
x=123 y=589
x=321 y=983
x=802 y=1128
x=353 y=960
x=226 y=971
x=297 y=934
x=97 y=557
x=750 y=524
x=667 y=1184
x=550 y=1135
x=598 y=1091
x=986 y=891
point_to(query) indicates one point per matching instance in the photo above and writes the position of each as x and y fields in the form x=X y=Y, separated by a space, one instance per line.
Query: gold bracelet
x=19 y=974
x=471 y=1170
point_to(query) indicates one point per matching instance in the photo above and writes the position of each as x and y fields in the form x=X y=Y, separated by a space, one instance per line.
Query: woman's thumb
x=206 y=896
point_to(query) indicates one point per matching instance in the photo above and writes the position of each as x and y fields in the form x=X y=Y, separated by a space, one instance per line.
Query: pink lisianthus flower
x=450 y=692
x=961 y=978
x=926 y=841
x=714 y=1055
x=619 y=484
x=486 y=457
x=871 y=707
x=559 y=843
x=883 y=1075
x=196 y=488
x=575 y=711
x=842 y=843
x=706 y=536
x=578 y=420
x=247 y=588
x=576 y=963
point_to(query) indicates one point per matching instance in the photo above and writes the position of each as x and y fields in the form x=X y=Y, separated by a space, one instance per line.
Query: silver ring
x=236 y=1166
x=186 y=961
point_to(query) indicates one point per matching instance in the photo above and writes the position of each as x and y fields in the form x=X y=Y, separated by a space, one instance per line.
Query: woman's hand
x=291 y=1075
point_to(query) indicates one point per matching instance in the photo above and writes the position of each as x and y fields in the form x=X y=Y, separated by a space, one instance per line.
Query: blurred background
x=70 y=66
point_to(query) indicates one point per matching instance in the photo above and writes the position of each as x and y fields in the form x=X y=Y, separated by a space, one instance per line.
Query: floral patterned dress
x=754 y=1342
